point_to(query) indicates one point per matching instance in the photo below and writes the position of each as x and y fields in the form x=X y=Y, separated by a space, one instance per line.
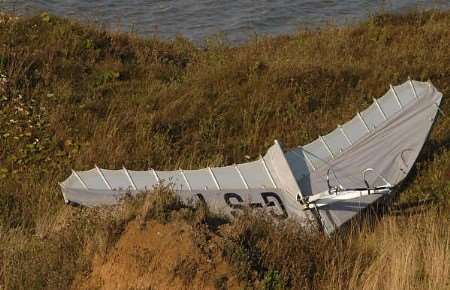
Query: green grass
x=72 y=95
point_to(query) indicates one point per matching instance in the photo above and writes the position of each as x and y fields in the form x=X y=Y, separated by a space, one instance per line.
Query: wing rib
x=396 y=97
x=241 y=176
x=213 y=178
x=129 y=178
x=79 y=179
x=268 y=172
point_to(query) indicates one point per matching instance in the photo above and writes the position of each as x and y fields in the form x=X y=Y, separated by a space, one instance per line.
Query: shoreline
x=228 y=33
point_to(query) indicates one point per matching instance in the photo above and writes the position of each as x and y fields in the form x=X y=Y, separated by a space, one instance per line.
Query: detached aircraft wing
x=267 y=182
x=329 y=180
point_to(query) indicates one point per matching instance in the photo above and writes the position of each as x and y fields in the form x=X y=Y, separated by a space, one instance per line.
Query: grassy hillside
x=72 y=96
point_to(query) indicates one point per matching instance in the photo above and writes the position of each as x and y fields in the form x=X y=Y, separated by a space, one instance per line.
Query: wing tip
x=66 y=200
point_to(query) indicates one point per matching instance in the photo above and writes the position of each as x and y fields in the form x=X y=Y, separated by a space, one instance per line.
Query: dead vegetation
x=72 y=96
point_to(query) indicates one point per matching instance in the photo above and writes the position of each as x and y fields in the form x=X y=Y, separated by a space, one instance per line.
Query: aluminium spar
x=329 y=180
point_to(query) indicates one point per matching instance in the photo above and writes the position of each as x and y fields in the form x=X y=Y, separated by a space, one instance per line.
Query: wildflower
x=3 y=82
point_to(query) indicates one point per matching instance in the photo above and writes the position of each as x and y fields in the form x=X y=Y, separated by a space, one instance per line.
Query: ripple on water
x=197 y=19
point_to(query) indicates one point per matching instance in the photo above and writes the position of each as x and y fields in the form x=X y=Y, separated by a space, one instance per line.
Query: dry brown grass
x=72 y=95
x=401 y=252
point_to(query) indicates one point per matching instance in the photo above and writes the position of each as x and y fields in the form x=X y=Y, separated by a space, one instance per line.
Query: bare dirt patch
x=161 y=256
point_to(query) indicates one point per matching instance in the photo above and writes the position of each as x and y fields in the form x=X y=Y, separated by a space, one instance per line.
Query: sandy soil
x=162 y=256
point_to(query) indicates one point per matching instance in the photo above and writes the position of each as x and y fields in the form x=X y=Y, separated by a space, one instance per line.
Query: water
x=198 y=19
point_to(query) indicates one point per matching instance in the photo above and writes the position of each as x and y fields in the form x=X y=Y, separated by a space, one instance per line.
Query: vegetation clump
x=72 y=95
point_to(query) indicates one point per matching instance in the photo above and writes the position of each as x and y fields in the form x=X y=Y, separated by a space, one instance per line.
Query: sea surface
x=198 y=20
